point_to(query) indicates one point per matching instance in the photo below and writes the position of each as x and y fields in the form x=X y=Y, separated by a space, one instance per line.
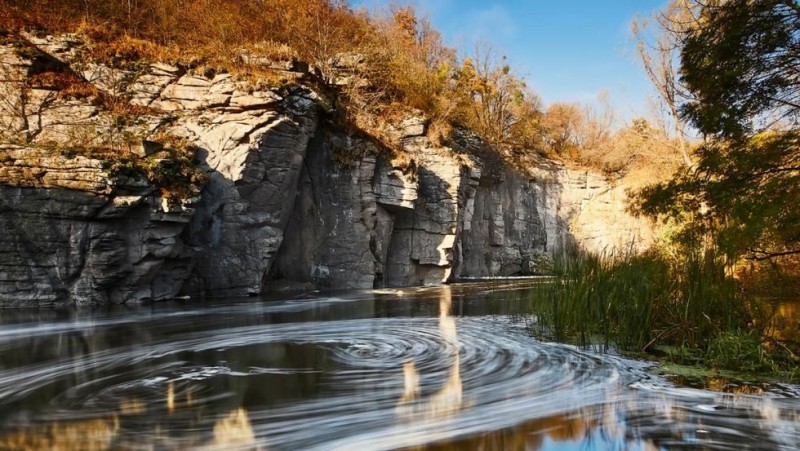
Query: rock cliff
x=71 y=234
x=276 y=212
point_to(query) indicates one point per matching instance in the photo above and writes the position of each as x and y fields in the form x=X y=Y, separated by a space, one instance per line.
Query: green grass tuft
x=685 y=310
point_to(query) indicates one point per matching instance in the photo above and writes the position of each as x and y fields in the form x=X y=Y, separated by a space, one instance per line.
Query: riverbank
x=682 y=310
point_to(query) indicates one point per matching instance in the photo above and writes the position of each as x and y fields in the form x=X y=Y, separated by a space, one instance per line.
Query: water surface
x=432 y=368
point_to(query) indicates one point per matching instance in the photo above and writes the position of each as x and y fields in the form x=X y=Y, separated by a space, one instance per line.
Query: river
x=448 y=367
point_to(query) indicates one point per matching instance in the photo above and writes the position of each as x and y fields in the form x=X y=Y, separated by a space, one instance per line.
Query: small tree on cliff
x=492 y=100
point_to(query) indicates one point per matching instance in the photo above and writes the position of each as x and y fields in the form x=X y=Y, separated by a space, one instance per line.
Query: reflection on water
x=434 y=368
x=87 y=435
x=448 y=399
x=579 y=430
x=785 y=323
x=234 y=431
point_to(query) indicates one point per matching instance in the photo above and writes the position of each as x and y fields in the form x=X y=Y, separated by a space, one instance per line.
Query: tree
x=561 y=124
x=658 y=43
x=492 y=97
x=741 y=63
x=579 y=132
x=409 y=56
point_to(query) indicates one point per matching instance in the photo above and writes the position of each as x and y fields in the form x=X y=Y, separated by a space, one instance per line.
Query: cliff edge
x=269 y=201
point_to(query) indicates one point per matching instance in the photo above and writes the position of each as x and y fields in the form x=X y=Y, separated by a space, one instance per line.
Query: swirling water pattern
x=441 y=368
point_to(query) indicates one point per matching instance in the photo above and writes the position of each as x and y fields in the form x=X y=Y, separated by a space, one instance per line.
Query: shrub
x=739 y=351
x=686 y=307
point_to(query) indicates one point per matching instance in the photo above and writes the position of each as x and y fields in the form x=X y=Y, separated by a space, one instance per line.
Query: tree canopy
x=741 y=62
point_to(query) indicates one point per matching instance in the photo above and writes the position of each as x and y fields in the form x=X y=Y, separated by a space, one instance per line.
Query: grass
x=173 y=169
x=685 y=310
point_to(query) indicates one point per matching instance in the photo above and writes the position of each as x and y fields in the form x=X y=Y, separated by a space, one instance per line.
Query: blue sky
x=566 y=50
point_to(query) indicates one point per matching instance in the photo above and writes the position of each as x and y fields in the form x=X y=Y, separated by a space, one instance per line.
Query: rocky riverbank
x=279 y=208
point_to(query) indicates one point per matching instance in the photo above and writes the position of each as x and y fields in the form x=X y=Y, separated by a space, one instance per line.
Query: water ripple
x=236 y=377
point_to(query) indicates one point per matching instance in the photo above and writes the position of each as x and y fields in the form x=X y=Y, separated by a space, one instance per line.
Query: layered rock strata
x=276 y=212
x=73 y=235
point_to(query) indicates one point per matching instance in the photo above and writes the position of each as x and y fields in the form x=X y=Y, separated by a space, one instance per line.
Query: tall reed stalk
x=635 y=302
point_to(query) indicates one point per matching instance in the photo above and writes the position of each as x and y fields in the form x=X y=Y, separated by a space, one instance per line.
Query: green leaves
x=740 y=63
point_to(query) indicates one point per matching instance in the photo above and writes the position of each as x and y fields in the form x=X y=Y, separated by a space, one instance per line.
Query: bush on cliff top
x=406 y=67
x=377 y=68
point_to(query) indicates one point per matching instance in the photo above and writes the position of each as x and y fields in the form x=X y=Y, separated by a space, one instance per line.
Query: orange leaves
x=67 y=84
x=406 y=22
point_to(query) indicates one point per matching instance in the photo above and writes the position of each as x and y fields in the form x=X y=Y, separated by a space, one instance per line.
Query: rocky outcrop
x=595 y=215
x=507 y=231
x=453 y=216
x=253 y=145
x=71 y=234
x=276 y=212
x=371 y=224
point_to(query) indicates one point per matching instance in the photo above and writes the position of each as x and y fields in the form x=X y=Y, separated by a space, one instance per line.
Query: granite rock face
x=277 y=212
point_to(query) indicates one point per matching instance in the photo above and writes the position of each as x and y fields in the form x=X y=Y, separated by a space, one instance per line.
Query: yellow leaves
x=443 y=74
x=467 y=71
x=406 y=21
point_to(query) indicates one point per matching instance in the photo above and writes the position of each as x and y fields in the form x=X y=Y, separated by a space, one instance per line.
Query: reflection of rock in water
x=231 y=431
x=576 y=430
x=396 y=372
x=87 y=435
x=132 y=406
x=410 y=382
x=234 y=430
x=448 y=399
x=171 y=397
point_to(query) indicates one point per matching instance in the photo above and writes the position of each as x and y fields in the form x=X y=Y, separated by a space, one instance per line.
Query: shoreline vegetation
x=683 y=310
x=725 y=70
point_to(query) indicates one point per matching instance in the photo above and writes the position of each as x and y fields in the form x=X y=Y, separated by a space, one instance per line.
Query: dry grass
x=406 y=70
x=407 y=67
x=67 y=84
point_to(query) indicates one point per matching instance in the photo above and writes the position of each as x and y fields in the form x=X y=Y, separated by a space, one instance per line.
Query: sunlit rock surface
x=277 y=211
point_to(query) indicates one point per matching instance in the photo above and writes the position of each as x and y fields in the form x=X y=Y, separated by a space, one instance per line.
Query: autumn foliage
x=406 y=65
x=397 y=65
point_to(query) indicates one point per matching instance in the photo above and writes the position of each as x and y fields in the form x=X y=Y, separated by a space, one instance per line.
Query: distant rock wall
x=373 y=225
x=277 y=212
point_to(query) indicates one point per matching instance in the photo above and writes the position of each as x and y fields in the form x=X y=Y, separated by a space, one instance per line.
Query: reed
x=687 y=309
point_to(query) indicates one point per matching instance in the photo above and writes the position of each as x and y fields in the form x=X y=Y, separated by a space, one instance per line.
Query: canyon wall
x=280 y=209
